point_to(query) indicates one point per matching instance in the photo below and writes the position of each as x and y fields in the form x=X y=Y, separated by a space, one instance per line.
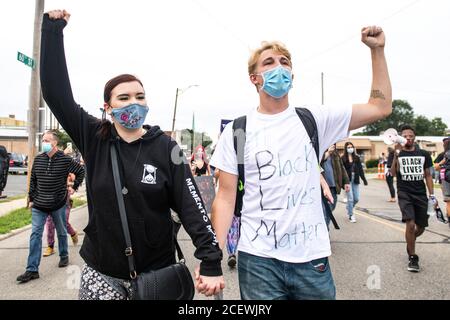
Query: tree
x=422 y=126
x=438 y=127
x=199 y=138
x=402 y=113
x=64 y=139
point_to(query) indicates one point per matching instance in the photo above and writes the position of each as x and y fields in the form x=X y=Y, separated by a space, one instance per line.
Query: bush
x=372 y=163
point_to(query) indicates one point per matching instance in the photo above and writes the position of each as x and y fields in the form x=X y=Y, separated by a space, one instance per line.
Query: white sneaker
x=353 y=219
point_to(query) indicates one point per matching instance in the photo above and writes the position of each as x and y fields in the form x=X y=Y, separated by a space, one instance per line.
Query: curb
x=28 y=227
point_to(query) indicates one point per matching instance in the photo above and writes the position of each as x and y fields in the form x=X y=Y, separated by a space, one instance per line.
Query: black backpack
x=239 y=131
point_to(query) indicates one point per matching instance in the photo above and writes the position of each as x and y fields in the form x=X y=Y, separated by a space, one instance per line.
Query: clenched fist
x=59 y=14
x=373 y=37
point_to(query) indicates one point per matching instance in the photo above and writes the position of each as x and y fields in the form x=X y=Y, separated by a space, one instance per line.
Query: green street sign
x=26 y=60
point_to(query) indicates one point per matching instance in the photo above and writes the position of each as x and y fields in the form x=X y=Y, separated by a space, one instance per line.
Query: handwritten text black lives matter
x=271 y=167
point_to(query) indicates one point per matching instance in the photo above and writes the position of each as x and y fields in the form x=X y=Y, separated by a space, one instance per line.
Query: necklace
x=122 y=171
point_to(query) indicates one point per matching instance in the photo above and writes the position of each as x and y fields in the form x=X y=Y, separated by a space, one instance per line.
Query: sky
x=174 y=44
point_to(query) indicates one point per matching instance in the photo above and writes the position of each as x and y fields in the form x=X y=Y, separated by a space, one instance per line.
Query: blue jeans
x=352 y=198
x=271 y=279
x=38 y=219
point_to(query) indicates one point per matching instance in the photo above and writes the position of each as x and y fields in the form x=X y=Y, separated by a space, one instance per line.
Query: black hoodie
x=151 y=170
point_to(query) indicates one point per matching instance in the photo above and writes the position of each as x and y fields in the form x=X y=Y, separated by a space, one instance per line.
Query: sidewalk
x=7 y=207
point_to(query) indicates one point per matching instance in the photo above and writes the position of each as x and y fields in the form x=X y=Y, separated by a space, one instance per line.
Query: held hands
x=435 y=202
x=208 y=285
x=59 y=14
x=347 y=188
x=373 y=37
x=70 y=190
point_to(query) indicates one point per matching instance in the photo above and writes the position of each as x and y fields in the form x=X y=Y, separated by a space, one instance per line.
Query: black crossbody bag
x=173 y=282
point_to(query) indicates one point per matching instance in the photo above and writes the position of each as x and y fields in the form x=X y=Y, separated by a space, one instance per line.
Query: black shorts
x=414 y=207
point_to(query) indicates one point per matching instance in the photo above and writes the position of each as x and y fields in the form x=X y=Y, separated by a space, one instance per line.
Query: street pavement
x=369 y=258
x=16 y=185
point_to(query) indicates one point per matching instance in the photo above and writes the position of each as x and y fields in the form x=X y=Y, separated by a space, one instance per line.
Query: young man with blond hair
x=284 y=244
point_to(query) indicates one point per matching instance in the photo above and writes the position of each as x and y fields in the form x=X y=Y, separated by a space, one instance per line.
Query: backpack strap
x=239 y=138
x=310 y=125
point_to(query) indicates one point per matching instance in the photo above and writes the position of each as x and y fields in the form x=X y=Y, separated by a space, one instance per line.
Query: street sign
x=26 y=60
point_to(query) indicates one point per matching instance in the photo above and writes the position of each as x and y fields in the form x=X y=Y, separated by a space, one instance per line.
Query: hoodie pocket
x=143 y=235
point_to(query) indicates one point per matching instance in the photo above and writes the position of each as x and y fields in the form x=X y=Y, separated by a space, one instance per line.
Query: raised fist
x=373 y=37
x=59 y=14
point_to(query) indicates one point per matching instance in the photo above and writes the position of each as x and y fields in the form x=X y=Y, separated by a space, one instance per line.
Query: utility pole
x=323 y=96
x=174 y=114
x=35 y=89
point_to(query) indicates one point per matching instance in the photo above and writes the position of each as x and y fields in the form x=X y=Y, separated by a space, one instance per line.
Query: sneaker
x=49 y=251
x=63 y=262
x=413 y=264
x=232 y=261
x=27 y=276
x=353 y=219
x=75 y=238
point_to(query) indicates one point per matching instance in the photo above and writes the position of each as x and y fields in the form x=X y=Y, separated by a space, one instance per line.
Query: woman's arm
x=361 y=173
x=56 y=88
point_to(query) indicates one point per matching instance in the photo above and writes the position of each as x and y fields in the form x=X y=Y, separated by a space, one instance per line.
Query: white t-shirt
x=282 y=215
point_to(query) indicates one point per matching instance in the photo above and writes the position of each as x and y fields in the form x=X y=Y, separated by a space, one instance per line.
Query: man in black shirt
x=48 y=195
x=412 y=166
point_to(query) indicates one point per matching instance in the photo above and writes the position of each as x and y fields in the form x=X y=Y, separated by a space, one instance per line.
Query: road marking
x=390 y=225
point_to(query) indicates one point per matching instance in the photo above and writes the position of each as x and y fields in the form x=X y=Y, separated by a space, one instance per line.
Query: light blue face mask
x=46 y=147
x=277 y=82
x=130 y=117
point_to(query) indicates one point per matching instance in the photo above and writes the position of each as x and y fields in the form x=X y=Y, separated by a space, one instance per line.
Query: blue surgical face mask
x=46 y=147
x=130 y=117
x=277 y=82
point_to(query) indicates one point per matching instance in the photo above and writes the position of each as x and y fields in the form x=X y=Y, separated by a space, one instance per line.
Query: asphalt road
x=369 y=259
x=16 y=185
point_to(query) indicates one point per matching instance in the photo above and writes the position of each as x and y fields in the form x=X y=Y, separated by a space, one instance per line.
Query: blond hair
x=265 y=45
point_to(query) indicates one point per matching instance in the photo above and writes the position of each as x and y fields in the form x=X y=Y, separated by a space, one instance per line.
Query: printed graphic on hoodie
x=149 y=176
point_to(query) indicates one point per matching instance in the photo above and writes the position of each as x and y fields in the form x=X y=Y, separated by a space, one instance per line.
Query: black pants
x=390 y=183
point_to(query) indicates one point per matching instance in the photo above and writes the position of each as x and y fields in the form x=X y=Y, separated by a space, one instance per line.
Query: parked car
x=17 y=163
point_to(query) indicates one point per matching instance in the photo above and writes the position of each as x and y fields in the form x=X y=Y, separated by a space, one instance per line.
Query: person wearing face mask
x=335 y=174
x=270 y=177
x=355 y=172
x=154 y=174
x=199 y=164
x=47 y=197
x=411 y=166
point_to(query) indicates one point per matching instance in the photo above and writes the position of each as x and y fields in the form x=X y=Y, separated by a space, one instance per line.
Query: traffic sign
x=26 y=60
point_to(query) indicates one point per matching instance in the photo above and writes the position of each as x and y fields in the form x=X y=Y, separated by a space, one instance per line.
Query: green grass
x=14 y=220
x=371 y=170
x=22 y=217
x=9 y=199
x=77 y=202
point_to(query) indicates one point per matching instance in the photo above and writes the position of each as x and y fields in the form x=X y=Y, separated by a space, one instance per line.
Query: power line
x=340 y=43
x=220 y=24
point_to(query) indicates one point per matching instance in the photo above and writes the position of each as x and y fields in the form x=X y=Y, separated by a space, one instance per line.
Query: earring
x=103 y=114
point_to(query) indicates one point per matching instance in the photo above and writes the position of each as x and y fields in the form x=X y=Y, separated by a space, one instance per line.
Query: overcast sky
x=176 y=43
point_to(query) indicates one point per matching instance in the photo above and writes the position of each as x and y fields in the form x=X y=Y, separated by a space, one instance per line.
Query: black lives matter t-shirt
x=411 y=173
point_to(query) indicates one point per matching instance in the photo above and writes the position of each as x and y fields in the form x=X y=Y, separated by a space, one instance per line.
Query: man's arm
x=380 y=101
x=429 y=181
x=32 y=190
x=223 y=206
x=394 y=166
